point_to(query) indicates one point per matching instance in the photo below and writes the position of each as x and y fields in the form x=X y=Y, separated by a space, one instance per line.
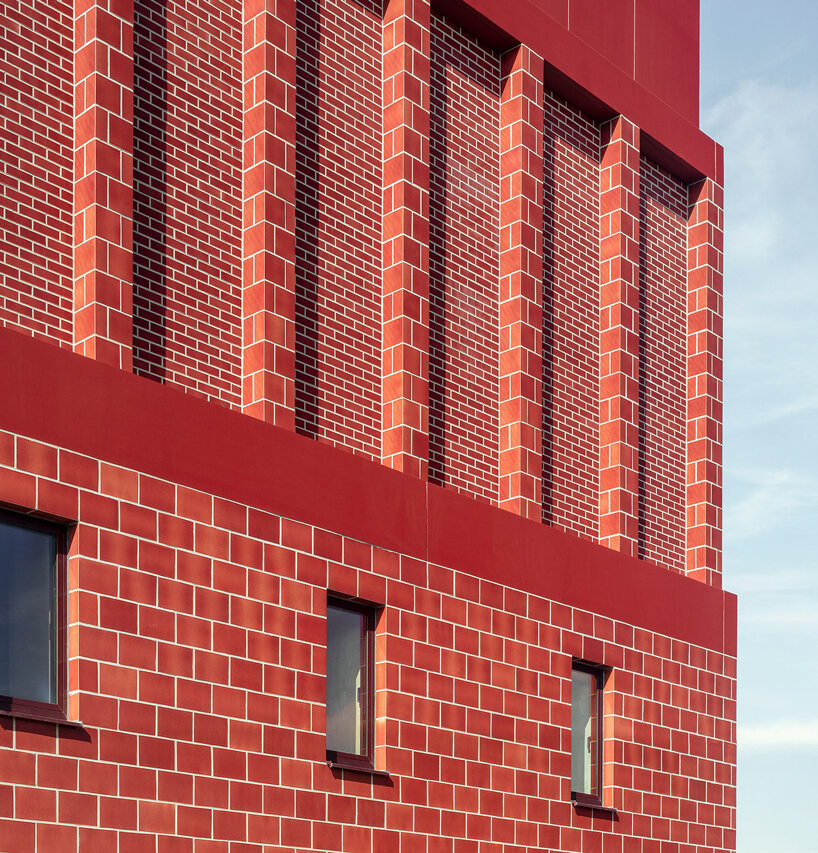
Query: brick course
x=338 y=233
x=188 y=196
x=663 y=354
x=570 y=319
x=36 y=162
x=197 y=656
x=464 y=262
x=371 y=226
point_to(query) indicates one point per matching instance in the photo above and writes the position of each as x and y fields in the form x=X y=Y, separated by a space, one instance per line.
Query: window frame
x=580 y=798
x=53 y=712
x=365 y=760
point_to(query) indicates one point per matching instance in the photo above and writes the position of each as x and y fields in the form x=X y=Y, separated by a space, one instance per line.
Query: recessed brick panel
x=338 y=223
x=36 y=163
x=570 y=319
x=464 y=262
x=663 y=355
x=187 y=196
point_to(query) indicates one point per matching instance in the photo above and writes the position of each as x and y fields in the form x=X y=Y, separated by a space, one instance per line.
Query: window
x=32 y=579
x=350 y=684
x=586 y=734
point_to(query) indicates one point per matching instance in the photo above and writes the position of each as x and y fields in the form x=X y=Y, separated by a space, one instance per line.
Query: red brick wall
x=187 y=196
x=663 y=367
x=197 y=663
x=36 y=161
x=338 y=227
x=463 y=266
x=570 y=319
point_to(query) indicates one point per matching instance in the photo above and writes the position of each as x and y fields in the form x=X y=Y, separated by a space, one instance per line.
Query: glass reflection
x=28 y=623
x=346 y=680
x=584 y=732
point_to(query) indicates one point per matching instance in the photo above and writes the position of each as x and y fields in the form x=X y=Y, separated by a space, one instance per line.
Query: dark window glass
x=29 y=553
x=586 y=733
x=350 y=694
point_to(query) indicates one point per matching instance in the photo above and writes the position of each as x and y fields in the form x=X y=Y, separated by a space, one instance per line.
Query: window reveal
x=350 y=683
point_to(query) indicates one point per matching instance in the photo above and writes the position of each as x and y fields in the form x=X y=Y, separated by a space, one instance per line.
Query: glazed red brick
x=215 y=735
x=338 y=229
x=405 y=287
x=521 y=264
x=188 y=196
x=464 y=260
x=103 y=182
x=483 y=272
x=268 y=269
x=36 y=162
x=571 y=143
x=704 y=378
x=619 y=367
x=663 y=365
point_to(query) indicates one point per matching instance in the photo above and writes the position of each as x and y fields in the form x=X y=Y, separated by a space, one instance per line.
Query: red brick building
x=360 y=460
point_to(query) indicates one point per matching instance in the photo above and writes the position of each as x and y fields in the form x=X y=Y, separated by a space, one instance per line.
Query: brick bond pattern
x=187 y=268
x=704 y=371
x=103 y=181
x=662 y=369
x=619 y=420
x=268 y=270
x=405 y=288
x=521 y=266
x=464 y=262
x=570 y=319
x=188 y=195
x=36 y=169
x=338 y=228
x=197 y=660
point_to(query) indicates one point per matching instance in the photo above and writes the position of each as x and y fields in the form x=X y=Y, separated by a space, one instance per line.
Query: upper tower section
x=476 y=242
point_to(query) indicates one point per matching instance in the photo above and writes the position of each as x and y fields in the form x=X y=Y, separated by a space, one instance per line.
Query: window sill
x=56 y=717
x=357 y=768
x=597 y=807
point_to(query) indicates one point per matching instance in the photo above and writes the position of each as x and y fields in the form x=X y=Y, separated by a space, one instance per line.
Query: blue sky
x=759 y=89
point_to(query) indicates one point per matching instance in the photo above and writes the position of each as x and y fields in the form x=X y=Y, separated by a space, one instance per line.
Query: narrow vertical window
x=31 y=601
x=350 y=683
x=586 y=734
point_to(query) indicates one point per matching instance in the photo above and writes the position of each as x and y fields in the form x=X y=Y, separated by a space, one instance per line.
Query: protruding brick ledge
x=704 y=382
x=619 y=337
x=103 y=181
x=268 y=274
x=405 y=400
x=521 y=268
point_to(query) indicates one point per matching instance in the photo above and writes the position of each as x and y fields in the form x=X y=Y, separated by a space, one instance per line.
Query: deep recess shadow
x=308 y=37
x=150 y=274
x=641 y=499
x=438 y=199
x=548 y=327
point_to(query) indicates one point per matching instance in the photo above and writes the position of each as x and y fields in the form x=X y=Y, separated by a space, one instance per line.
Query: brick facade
x=570 y=362
x=400 y=311
x=464 y=237
x=36 y=170
x=188 y=196
x=338 y=235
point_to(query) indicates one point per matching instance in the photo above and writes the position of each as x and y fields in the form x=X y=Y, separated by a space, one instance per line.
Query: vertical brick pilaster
x=521 y=268
x=103 y=181
x=704 y=382
x=268 y=271
x=619 y=337
x=405 y=398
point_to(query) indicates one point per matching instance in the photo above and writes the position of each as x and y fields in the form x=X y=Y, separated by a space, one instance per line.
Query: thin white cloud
x=787 y=614
x=771 y=253
x=770 y=497
x=779 y=734
x=773 y=580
